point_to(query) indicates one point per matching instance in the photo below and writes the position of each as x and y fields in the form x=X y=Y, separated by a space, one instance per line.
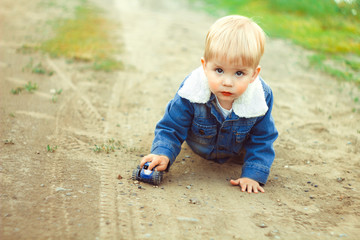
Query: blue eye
x=239 y=73
x=219 y=70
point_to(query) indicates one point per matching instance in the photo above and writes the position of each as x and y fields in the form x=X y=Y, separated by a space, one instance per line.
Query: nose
x=227 y=81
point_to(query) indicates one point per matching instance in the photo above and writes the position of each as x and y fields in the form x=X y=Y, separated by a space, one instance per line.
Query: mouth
x=226 y=93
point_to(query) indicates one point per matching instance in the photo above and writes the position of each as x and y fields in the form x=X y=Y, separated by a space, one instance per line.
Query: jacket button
x=223 y=130
x=201 y=131
x=221 y=148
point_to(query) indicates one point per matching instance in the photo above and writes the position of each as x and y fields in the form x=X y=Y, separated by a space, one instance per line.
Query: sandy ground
x=75 y=193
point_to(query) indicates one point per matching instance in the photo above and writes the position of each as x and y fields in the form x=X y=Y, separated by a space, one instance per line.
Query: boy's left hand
x=247 y=184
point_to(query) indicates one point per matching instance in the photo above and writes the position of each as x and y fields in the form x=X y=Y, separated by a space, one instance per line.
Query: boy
x=223 y=108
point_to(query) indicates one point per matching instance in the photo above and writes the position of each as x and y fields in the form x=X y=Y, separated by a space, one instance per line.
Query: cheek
x=241 y=88
x=213 y=85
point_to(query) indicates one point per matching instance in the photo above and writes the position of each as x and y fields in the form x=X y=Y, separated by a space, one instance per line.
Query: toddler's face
x=228 y=81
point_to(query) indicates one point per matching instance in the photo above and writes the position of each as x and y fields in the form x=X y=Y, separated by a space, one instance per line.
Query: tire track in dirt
x=96 y=130
x=129 y=208
x=115 y=222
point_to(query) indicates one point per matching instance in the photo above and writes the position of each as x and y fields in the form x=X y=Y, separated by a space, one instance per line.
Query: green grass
x=85 y=38
x=330 y=29
x=9 y=141
x=339 y=68
x=355 y=65
x=29 y=87
x=55 y=94
x=37 y=68
x=51 y=149
x=110 y=146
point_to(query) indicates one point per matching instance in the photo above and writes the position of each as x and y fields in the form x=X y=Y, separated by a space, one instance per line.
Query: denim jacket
x=193 y=116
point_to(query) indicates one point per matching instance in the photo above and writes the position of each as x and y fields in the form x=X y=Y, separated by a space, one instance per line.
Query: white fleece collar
x=250 y=104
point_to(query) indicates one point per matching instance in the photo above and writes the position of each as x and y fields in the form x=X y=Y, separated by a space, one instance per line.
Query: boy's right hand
x=161 y=162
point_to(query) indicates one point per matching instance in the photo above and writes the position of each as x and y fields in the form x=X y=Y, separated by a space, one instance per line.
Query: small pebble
x=187 y=219
x=188 y=187
x=340 y=179
x=59 y=189
x=193 y=201
x=262 y=225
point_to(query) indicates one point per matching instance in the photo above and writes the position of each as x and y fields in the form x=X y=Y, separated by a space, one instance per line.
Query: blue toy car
x=145 y=175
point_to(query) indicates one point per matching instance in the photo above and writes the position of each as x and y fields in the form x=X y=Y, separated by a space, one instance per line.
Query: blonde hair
x=236 y=39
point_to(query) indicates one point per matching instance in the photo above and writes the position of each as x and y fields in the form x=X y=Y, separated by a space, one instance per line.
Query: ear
x=203 y=63
x=256 y=73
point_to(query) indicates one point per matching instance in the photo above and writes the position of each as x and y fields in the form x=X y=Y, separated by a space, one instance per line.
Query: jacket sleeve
x=259 y=148
x=172 y=129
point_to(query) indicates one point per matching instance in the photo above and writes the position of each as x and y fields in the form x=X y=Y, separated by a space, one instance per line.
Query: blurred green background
x=330 y=28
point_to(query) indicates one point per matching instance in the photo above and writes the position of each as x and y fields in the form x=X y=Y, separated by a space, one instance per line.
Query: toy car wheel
x=136 y=174
x=157 y=178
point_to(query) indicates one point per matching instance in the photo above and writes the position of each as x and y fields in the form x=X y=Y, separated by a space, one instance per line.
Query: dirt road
x=75 y=193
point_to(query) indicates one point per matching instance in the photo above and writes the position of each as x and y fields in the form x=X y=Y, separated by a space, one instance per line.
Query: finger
x=147 y=158
x=261 y=189
x=249 y=188
x=155 y=161
x=243 y=187
x=161 y=167
x=255 y=189
x=235 y=182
